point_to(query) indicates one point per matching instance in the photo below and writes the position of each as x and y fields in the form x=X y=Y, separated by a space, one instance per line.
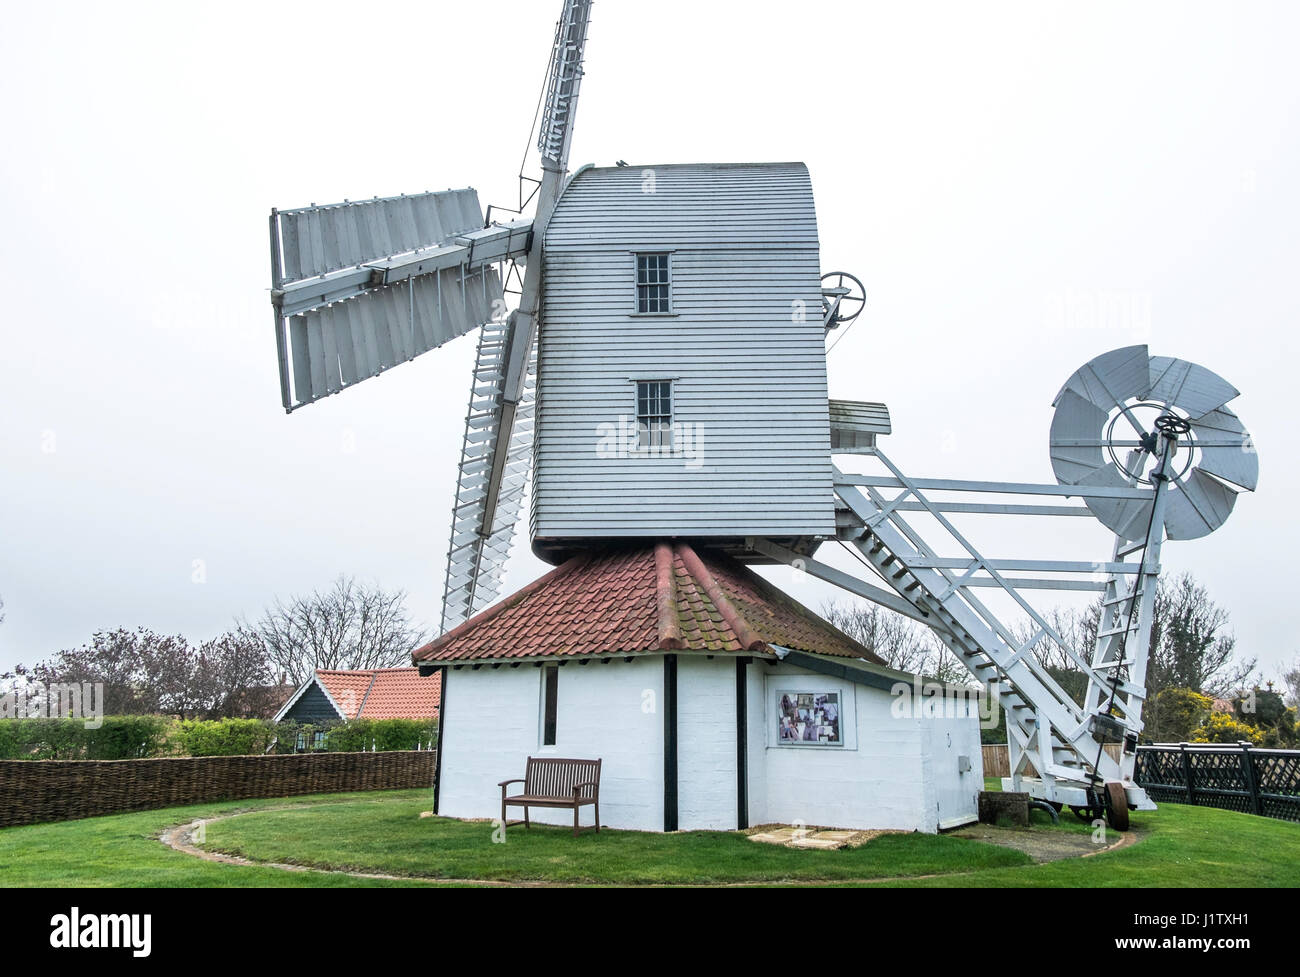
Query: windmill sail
x=499 y=429
x=359 y=287
x=475 y=560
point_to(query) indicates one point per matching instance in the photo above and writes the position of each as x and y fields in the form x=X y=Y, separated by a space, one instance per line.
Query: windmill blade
x=1126 y=518
x=359 y=287
x=494 y=468
x=1075 y=420
x=480 y=544
x=1192 y=387
x=1110 y=379
x=563 y=81
x=1200 y=506
x=1227 y=450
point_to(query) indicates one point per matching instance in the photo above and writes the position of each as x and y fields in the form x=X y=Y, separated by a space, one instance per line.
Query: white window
x=654 y=414
x=653 y=284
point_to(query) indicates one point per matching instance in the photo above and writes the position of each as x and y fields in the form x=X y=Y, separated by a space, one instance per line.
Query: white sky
x=974 y=164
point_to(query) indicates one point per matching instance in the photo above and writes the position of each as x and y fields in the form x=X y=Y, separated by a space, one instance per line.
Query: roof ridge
x=749 y=639
x=670 y=625
x=374 y=676
x=769 y=589
x=502 y=605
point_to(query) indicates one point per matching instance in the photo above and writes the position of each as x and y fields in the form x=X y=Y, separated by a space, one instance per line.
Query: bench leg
x=598 y=817
x=576 y=809
x=527 y=826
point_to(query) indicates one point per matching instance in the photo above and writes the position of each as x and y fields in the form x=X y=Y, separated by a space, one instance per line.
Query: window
x=654 y=414
x=318 y=740
x=652 y=283
x=550 y=696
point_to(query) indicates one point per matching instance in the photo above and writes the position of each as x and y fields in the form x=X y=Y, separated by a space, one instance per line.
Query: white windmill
x=680 y=373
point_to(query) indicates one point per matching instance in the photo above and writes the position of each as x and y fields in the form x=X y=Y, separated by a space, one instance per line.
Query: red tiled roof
x=382 y=693
x=660 y=597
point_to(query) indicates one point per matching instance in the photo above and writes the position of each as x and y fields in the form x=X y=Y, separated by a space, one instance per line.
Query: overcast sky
x=980 y=166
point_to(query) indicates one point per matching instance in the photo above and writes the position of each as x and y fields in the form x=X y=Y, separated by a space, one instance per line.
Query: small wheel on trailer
x=1085 y=814
x=1116 y=806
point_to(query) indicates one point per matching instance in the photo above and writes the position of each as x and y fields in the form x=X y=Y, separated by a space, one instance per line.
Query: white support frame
x=1046 y=729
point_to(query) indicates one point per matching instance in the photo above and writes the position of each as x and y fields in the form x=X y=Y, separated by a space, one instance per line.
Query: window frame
x=637 y=284
x=550 y=704
x=666 y=445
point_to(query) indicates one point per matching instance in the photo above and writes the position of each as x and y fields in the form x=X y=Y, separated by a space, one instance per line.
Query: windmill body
x=682 y=364
x=651 y=354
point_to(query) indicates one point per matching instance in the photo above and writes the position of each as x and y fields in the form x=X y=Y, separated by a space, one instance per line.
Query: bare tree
x=1291 y=679
x=902 y=643
x=350 y=625
x=145 y=672
x=1191 y=646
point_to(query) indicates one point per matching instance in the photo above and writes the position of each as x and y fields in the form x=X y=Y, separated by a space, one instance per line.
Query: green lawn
x=382 y=832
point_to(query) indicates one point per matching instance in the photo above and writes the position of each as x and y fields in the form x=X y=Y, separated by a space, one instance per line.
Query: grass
x=123 y=850
x=382 y=832
x=385 y=834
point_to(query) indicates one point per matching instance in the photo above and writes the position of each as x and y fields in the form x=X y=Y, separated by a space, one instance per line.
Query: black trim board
x=670 y=742
x=442 y=725
x=742 y=744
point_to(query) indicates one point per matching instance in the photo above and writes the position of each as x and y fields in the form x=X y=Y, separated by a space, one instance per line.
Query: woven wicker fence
x=33 y=791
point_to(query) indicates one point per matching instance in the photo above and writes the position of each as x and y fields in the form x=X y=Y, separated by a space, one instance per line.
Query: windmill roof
x=381 y=693
x=641 y=599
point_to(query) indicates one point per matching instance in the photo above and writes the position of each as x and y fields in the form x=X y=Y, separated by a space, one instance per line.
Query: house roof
x=375 y=693
x=400 y=693
x=639 y=599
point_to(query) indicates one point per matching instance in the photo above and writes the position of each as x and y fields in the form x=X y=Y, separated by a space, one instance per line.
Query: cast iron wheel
x=1116 y=806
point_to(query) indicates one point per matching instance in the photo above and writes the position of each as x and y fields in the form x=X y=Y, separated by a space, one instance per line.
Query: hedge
x=117 y=738
x=135 y=737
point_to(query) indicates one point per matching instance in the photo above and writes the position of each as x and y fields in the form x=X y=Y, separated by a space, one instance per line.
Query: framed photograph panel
x=809 y=718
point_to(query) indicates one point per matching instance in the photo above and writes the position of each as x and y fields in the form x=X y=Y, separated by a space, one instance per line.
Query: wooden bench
x=553 y=782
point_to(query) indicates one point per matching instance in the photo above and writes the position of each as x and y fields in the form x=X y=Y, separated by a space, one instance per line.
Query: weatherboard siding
x=312 y=707
x=749 y=380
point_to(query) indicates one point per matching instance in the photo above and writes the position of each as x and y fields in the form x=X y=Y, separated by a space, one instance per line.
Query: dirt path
x=1046 y=846
x=181 y=838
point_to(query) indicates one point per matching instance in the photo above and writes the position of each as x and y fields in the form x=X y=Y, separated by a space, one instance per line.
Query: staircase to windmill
x=958 y=620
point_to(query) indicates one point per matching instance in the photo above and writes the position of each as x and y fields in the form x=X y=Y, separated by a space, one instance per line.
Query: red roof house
x=368 y=693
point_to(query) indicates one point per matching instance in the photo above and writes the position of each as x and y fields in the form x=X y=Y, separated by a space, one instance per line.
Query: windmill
x=677 y=389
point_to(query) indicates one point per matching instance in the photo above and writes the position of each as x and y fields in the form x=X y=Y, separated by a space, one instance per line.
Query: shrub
x=382 y=734
x=1177 y=714
x=116 y=738
x=291 y=737
x=1222 y=728
x=225 y=737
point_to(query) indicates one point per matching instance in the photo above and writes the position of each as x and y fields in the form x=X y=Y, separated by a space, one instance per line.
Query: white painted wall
x=706 y=743
x=898 y=767
x=493 y=724
x=951 y=731
x=873 y=781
